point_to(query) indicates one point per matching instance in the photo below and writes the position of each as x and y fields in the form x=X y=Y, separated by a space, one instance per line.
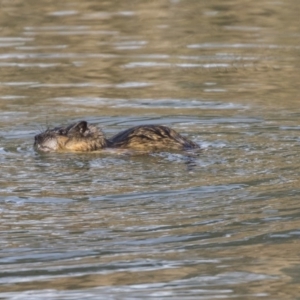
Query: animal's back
x=151 y=137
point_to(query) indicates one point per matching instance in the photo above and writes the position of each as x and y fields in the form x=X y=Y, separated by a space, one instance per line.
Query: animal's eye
x=61 y=132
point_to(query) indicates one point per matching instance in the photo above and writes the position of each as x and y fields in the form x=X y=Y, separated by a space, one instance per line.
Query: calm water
x=109 y=226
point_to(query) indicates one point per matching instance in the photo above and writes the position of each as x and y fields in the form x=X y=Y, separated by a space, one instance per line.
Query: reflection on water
x=108 y=225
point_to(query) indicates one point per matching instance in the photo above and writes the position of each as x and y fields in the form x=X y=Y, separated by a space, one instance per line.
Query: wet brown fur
x=83 y=137
x=151 y=137
x=78 y=137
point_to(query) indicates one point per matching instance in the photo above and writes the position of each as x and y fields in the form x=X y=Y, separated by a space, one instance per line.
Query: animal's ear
x=79 y=127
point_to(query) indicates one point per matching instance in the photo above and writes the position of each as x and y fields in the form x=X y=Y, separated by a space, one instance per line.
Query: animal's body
x=83 y=137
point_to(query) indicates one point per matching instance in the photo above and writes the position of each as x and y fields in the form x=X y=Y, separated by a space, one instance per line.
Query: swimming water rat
x=84 y=137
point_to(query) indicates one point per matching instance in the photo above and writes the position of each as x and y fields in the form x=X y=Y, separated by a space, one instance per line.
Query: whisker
x=47 y=123
x=37 y=129
x=41 y=129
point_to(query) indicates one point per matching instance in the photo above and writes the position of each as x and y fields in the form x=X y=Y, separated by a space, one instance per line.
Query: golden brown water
x=224 y=225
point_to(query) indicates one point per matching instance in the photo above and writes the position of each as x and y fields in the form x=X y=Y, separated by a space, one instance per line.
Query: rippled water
x=224 y=224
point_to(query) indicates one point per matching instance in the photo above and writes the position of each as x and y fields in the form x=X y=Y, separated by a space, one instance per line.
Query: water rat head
x=80 y=136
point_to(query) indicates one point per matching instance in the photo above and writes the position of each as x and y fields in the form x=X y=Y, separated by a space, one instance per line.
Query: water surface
x=113 y=226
